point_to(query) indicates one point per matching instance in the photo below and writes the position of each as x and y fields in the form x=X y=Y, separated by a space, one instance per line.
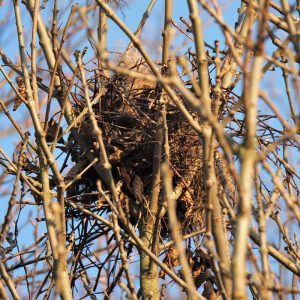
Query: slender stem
x=247 y=157
x=102 y=31
x=176 y=234
x=9 y=282
x=142 y=23
x=200 y=52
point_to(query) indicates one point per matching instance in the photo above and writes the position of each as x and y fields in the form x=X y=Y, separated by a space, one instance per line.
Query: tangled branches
x=185 y=164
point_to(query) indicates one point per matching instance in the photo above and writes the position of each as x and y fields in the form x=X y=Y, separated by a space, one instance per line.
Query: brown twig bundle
x=129 y=114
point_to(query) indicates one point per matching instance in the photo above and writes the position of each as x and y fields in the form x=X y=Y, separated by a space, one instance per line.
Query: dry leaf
x=209 y=293
x=171 y=260
x=22 y=90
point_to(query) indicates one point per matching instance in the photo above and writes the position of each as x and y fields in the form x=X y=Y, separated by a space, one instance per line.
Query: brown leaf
x=24 y=157
x=22 y=91
x=201 y=277
x=171 y=260
x=115 y=156
x=198 y=268
x=209 y=292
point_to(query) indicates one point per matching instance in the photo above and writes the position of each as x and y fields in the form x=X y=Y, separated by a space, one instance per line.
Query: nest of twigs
x=129 y=114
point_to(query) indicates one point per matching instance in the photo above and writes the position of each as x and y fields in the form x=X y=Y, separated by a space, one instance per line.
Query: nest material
x=128 y=114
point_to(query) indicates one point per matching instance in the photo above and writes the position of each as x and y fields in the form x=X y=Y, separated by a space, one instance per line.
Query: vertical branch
x=102 y=35
x=40 y=136
x=55 y=223
x=216 y=221
x=175 y=231
x=151 y=221
x=265 y=293
x=148 y=270
x=247 y=157
x=33 y=55
x=167 y=32
x=200 y=52
x=3 y=293
x=155 y=190
x=46 y=194
x=214 y=212
x=102 y=28
x=60 y=266
x=54 y=25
